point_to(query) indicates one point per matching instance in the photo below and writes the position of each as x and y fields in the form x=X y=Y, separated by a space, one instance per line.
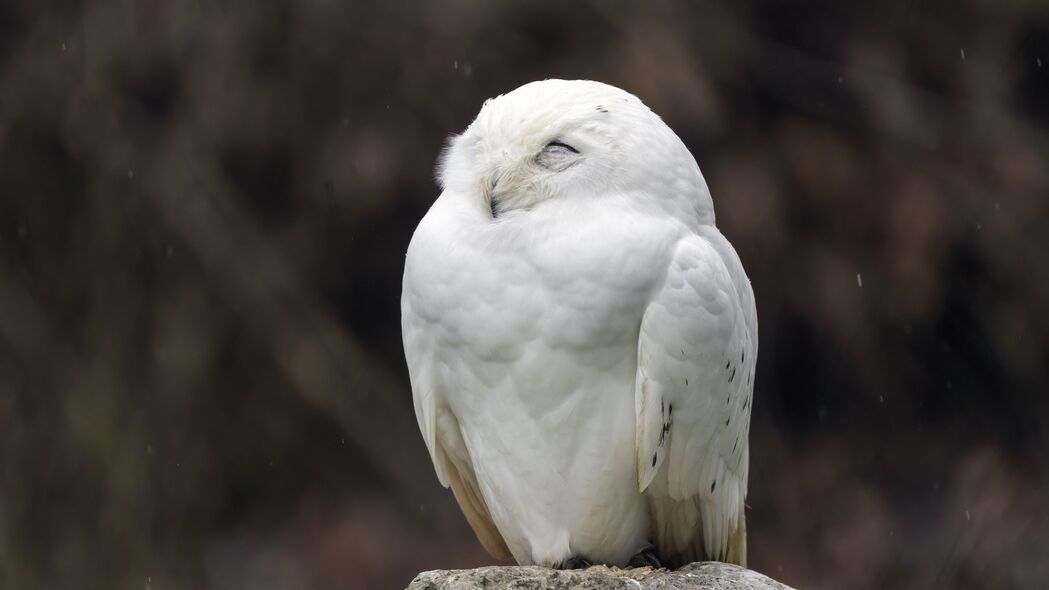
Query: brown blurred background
x=204 y=209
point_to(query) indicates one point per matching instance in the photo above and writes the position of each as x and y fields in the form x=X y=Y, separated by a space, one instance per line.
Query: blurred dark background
x=204 y=209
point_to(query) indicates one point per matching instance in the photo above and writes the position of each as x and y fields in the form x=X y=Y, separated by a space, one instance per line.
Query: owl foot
x=575 y=563
x=646 y=558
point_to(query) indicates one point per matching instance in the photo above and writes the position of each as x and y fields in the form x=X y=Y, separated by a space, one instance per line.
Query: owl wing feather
x=697 y=351
x=443 y=437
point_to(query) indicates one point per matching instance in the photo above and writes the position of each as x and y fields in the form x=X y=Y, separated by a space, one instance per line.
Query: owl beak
x=493 y=196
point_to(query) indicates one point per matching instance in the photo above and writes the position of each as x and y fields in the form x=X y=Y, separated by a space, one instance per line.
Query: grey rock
x=706 y=575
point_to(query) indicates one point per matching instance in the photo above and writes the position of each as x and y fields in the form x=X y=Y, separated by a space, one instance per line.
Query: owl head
x=571 y=139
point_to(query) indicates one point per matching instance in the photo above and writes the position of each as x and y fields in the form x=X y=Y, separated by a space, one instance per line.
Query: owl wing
x=697 y=352
x=440 y=430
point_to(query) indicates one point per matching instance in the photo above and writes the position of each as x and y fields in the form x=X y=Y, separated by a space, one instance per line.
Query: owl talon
x=575 y=563
x=646 y=558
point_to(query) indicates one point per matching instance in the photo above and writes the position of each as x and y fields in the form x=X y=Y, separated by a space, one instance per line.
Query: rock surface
x=706 y=575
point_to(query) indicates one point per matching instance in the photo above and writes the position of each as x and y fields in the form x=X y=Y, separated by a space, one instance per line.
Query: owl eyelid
x=560 y=144
x=558 y=156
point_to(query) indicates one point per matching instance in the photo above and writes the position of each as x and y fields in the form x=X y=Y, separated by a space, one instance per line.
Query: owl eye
x=558 y=156
x=557 y=145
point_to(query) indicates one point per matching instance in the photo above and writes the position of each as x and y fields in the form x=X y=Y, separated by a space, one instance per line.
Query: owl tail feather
x=733 y=548
x=736 y=552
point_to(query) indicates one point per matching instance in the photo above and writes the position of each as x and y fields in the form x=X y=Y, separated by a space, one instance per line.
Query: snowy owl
x=580 y=337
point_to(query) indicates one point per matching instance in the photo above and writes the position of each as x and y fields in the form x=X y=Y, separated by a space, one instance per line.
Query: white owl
x=581 y=338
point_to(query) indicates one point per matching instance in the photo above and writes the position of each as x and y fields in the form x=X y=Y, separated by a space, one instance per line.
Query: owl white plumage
x=581 y=339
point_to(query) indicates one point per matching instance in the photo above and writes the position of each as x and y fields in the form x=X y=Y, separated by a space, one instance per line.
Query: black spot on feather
x=663 y=433
x=653 y=460
x=733 y=375
x=713 y=485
